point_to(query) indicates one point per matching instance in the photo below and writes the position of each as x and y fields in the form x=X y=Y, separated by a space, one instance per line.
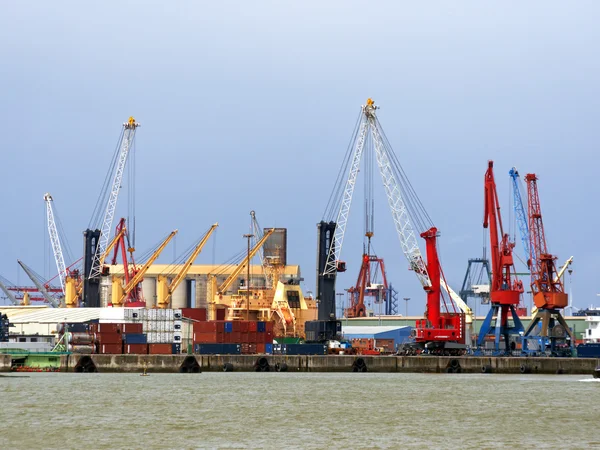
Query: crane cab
x=341 y=266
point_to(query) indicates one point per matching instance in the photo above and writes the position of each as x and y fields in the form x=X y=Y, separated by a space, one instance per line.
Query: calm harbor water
x=298 y=410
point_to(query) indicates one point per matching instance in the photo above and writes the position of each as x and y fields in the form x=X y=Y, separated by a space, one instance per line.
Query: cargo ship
x=591 y=339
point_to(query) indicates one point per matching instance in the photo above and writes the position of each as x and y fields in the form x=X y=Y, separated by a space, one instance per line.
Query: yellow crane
x=120 y=292
x=216 y=293
x=164 y=289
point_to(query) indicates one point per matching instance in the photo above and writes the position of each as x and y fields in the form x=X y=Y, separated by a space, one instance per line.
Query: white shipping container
x=177 y=339
x=152 y=337
x=177 y=314
x=112 y=314
x=178 y=325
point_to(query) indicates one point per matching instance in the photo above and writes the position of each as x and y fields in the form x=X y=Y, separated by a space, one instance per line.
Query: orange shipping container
x=160 y=349
x=109 y=338
x=132 y=328
x=136 y=349
x=111 y=349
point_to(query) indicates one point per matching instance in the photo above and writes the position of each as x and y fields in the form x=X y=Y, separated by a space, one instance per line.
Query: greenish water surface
x=298 y=410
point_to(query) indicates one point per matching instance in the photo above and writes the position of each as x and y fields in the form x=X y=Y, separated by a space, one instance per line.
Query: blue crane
x=520 y=213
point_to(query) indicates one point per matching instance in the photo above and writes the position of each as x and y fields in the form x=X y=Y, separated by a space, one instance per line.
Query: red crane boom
x=506 y=288
x=548 y=290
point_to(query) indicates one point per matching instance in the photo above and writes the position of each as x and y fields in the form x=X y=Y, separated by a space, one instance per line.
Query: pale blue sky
x=250 y=105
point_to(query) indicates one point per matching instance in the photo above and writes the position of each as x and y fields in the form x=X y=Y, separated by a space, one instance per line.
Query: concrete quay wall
x=329 y=363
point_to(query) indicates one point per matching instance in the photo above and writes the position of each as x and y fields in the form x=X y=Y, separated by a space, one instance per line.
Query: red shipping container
x=136 y=349
x=269 y=327
x=221 y=313
x=160 y=349
x=236 y=325
x=132 y=328
x=93 y=327
x=267 y=338
x=205 y=338
x=243 y=326
x=244 y=338
x=109 y=338
x=109 y=327
x=111 y=349
x=252 y=349
x=260 y=348
x=235 y=337
x=227 y=338
x=252 y=326
x=198 y=314
x=211 y=326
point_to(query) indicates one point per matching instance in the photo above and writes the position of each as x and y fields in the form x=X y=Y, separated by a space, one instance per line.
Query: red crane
x=135 y=297
x=440 y=332
x=365 y=286
x=548 y=291
x=506 y=288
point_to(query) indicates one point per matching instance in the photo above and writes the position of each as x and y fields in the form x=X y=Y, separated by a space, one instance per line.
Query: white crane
x=9 y=294
x=398 y=207
x=55 y=241
x=39 y=285
x=125 y=144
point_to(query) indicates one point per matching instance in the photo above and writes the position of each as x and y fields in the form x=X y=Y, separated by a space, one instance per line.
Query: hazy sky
x=250 y=105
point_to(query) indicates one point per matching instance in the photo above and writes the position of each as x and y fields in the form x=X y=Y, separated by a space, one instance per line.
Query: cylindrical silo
x=149 y=291
x=105 y=291
x=179 y=297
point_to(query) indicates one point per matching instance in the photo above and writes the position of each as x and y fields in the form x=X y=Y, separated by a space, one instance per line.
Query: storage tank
x=105 y=291
x=179 y=297
x=149 y=291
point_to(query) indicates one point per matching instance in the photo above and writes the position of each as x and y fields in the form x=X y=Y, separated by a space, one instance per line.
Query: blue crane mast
x=520 y=214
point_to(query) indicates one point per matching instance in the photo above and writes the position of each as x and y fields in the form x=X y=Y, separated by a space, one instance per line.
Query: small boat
x=144 y=374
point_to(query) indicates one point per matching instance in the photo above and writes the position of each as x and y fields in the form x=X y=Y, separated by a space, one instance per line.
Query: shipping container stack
x=77 y=337
x=4 y=327
x=232 y=337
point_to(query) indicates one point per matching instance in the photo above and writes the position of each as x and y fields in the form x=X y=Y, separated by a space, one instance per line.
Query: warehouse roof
x=56 y=315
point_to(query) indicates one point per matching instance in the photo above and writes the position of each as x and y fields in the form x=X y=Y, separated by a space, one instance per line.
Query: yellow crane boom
x=164 y=291
x=240 y=267
x=114 y=240
x=121 y=292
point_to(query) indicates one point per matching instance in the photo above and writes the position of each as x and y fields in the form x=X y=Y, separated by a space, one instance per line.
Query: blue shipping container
x=135 y=338
x=306 y=349
x=269 y=349
x=228 y=327
x=261 y=327
x=176 y=349
x=217 y=349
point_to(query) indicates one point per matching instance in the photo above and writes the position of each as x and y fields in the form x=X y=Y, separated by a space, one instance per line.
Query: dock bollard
x=486 y=368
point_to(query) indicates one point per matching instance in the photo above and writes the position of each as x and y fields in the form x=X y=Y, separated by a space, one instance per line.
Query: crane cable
x=335 y=199
x=99 y=209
